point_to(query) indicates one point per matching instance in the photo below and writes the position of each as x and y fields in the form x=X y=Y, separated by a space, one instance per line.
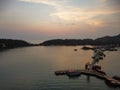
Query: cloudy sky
x=51 y=19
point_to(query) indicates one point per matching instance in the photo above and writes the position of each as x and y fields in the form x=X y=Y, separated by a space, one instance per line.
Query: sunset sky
x=52 y=19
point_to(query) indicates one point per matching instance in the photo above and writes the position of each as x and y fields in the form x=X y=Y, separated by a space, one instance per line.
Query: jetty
x=109 y=80
x=91 y=69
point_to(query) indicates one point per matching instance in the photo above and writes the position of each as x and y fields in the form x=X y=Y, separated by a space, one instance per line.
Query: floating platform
x=109 y=80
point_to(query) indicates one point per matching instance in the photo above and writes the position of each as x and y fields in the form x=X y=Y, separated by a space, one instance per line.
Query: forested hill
x=9 y=43
x=107 y=40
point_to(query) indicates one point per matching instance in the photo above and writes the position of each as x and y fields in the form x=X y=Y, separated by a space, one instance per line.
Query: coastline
x=112 y=41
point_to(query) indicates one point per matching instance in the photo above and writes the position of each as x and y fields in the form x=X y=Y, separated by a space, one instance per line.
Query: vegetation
x=107 y=40
x=9 y=43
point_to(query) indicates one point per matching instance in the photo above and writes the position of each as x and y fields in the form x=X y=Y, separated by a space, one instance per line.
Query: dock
x=91 y=69
x=109 y=80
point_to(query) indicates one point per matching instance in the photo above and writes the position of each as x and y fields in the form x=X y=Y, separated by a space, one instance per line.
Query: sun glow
x=61 y=17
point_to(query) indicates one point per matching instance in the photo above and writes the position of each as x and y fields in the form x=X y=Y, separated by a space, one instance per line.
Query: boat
x=75 y=49
x=100 y=71
x=86 y=48
x=112 y=49
x=116 y=77
x=73 y=74
x=96 y=67
x=62 y=72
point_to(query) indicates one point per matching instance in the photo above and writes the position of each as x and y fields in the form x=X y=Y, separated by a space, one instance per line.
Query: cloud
x=78 y=15
x=54 y=3
x=68 y=13
x=70 y=18
x=114 y=3
x=39 y=1
x=5 y=3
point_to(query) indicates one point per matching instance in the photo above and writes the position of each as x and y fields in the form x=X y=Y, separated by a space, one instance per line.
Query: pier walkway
x=109 y=80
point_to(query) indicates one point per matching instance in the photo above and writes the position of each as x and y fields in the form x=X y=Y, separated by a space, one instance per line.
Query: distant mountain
x=107 y=40
x=9 y=43
x=62 y=42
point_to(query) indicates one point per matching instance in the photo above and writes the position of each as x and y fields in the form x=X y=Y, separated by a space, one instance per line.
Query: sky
x=36 y=20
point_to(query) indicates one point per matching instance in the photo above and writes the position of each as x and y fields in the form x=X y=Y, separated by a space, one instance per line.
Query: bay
x=32 y=68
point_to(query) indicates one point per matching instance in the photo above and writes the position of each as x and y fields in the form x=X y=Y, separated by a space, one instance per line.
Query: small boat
x=112 y=49
x=96 y=67
x=75 y=49
x=73 y=73
x=116 y=77
x=86 y=48
x=62 y=72
x=100 y=71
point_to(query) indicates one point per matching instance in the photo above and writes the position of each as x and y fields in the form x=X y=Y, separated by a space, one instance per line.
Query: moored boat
x=73 y=73
x=86 y=48
x=75 y=49
x=62 y=72
x=116 y=77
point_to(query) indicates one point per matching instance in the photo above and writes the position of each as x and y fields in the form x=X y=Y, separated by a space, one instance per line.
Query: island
x=10 y=43
x=113 y=41
x=107 y=40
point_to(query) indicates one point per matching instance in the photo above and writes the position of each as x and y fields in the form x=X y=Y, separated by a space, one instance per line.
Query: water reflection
x=88 y=78
x=32 y=68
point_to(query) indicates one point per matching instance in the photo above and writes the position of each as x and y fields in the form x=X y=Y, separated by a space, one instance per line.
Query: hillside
x=9 y=43
x=107 y=40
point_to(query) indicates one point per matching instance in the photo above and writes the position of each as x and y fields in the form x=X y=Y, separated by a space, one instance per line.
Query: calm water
x=32 y=68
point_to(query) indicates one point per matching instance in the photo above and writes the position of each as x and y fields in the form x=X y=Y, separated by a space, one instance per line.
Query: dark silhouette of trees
x=107 y=40
x=9 y=43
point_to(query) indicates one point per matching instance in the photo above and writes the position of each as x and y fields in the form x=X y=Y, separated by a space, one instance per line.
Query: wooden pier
x=109 y=80
x=93 y=70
